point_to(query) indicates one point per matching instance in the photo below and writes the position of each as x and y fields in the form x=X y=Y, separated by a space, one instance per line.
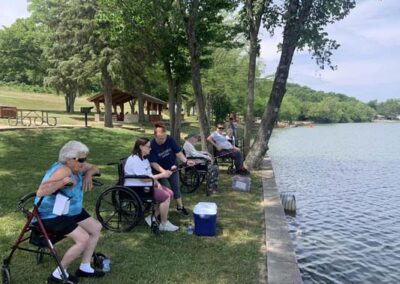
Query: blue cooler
x=205 y=219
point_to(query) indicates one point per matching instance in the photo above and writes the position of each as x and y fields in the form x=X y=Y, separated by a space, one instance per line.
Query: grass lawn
x=37 y=101
x=233 y=256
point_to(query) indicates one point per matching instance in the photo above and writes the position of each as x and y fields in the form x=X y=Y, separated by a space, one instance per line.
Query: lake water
x=346 y=181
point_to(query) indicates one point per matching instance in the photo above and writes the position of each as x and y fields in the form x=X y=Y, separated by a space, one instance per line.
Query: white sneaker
x=148 y=220
x=168 y=227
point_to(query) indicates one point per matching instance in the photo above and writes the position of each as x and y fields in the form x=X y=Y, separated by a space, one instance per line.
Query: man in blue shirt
x=163 y=154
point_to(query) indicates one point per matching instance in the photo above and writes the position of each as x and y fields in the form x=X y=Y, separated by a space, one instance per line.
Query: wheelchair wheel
x=202 y=178
x=5 y=275
x=119 y=209
x=190 y=180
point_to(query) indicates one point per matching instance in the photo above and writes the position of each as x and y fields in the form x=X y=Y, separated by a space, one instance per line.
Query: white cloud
x=367 y=59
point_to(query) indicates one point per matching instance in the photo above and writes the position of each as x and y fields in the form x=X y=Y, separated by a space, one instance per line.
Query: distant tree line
x=389 y=108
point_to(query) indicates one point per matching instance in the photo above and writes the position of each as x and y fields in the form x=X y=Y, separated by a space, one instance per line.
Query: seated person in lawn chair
x=225 y=148
x=206 y=161
x=138 y=165
x=73 y=175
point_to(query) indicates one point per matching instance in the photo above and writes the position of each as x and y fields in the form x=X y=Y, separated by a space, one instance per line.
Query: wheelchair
x=38 y=237
x=225 y=161
x=120 y=208
x=193 y=177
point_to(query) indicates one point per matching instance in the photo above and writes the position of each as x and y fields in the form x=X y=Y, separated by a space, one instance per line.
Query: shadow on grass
x=137 y=256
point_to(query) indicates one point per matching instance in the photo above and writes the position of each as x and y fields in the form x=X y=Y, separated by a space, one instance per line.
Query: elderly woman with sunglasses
x=69 y=178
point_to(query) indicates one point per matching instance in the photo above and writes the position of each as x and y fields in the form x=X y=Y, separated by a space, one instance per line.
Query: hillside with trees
x=193 y=54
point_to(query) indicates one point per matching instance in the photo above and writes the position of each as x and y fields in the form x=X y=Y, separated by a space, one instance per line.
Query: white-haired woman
x=74 y=222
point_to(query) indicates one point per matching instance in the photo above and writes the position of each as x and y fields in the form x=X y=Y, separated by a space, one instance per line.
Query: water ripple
x=345 y=178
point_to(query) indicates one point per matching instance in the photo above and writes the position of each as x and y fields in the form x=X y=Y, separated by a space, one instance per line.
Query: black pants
x=235 y=155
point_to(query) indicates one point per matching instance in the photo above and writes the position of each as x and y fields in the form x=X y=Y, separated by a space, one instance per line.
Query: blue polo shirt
x=164 y=154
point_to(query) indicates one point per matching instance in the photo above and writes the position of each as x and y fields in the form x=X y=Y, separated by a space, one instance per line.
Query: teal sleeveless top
x=75 y=194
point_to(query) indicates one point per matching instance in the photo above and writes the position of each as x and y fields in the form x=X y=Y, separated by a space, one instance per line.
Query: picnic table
x=26 y=117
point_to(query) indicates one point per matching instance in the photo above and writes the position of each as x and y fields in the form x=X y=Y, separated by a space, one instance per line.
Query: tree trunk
x=250 y=90
x=208 y=108
x=147 y=89
x=254 y=19
x=132 y=104
x=171 y=98
x=194 y=50
x=70 y=102
x=178 y=115
x=107 y=90
x=142 y=116
x=290 y=38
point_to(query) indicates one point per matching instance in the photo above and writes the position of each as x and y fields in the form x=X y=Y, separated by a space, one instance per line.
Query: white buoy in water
x=288 y=201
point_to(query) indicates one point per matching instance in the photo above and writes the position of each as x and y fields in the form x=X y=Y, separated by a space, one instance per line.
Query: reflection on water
x=345 y=178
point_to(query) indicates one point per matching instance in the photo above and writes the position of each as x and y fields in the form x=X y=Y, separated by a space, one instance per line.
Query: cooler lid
x=205 y=208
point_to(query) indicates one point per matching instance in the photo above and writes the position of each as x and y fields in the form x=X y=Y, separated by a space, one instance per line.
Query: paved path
x=7 y=128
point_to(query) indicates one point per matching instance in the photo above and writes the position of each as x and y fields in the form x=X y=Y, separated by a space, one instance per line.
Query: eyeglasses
x=80 y=160
x=221 y=127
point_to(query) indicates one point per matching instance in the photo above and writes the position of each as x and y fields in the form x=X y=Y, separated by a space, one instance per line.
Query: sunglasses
x=221 y=127
x=80 y=160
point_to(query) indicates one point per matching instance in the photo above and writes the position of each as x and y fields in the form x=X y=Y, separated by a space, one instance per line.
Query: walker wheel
x=5 y=275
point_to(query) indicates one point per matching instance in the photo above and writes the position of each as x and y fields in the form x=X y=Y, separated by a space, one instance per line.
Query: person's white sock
x=86 y=267
x=57 y=273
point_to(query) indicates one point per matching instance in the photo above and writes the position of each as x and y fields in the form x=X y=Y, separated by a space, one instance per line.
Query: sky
x=367 y=60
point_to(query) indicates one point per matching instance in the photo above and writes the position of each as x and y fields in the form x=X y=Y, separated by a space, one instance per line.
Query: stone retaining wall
x=282 y=265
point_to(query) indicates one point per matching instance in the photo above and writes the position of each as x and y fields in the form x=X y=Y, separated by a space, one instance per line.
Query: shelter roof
x=119 y=97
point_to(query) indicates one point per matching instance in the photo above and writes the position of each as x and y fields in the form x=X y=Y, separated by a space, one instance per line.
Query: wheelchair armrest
x=139 y=177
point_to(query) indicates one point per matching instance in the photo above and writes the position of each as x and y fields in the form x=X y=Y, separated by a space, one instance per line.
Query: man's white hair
x=71 y=150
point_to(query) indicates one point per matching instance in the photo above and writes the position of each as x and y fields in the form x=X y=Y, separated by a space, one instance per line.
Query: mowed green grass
x=38 y=101
x=232 y=256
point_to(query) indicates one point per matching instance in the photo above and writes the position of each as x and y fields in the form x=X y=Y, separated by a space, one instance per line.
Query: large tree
x=252 y=14
x=304 y=22
x=21 y=53
x=205 y=27
x=67 y=25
